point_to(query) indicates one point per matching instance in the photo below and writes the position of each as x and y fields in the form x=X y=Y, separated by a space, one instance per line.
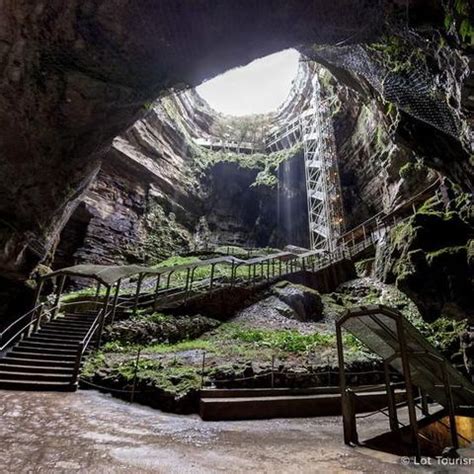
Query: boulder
x=305 y=302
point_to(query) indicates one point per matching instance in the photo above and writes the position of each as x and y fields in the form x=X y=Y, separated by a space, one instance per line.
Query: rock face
x=152 y=197
x=77 y=74
x=143 y=173
x=289 y=306
x=371 y=163
x=159 y=328
x=153 y=192
x=427 y=257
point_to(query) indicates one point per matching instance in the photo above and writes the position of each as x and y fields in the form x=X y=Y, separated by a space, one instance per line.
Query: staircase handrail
x=84 y=344
x=35 y=319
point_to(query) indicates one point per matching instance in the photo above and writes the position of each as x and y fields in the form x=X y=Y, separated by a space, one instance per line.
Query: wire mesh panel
x=412 y=89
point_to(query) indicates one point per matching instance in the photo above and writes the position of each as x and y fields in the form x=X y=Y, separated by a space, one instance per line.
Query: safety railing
x=242 y=273
x=30 y=322
x=94 y=330
x=23 y=325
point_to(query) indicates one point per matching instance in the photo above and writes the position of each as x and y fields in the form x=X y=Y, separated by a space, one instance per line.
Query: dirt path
x=90 y=432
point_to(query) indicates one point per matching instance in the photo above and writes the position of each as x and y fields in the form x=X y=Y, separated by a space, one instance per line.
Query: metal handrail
x=20 y=332
x=83 y=345
x=19 y=319
x=34 y=321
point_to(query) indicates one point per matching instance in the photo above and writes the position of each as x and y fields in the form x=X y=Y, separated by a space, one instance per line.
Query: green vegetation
x=266 y=164
x=413 y=172
x=173 y=377
x=158 y=328
x=231 y=339
x=248 y=129
x=164 y=237
x=457 y=20
x=397 y=54
x=443 y=333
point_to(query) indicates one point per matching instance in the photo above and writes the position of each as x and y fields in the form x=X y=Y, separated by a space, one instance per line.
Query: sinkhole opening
x=260 y=87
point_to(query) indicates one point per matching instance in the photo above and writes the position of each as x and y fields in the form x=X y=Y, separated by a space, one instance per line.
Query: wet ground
x=90 y=432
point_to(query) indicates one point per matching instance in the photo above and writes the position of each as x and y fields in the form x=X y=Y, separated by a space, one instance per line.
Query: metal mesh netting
x=413 y=89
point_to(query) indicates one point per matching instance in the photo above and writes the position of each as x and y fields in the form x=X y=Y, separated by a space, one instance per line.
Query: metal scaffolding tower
x=325 y=211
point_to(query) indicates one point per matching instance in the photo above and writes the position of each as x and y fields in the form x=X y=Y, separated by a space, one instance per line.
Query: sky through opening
x=258 y=88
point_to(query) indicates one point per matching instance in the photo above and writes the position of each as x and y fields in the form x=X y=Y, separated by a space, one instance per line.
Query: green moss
x=266 y=164
x=164 y=236
x=397 y=54
x=443 y=333
x=431 y=206
x=447 y=252
x=459 y=16
x=413 y=172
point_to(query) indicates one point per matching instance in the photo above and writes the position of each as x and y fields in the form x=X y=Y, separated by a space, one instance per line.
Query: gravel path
x=94 y=433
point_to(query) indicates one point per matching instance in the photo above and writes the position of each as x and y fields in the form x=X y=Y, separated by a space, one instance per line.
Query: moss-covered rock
x=305 y=302
x=428 y=258
x=158 y=327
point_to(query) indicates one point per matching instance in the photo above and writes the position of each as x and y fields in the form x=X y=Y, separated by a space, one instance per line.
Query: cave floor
x=89 y=432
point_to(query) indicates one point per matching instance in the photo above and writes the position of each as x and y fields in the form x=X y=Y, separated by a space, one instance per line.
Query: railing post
x=58 y=296
x=202 y=368
x=106 y=302
x=273 y=372
x=424 y=403
x=157 y=289
x=77 y=365
x=232 y=274
x=212 y=277
x=168 y=279
x=408 y=384
x=116 y=296
x=135 y=375
x=38 y=318
x=38 y=292
x=451 y=408
x=101 y=328
x=347 y=397
x=137 y=293
x=392 y=407
x=186 y=285
x=97 y=294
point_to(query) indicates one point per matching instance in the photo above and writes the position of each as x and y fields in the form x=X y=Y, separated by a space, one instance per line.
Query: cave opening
x=194 y=248
x=260 y=87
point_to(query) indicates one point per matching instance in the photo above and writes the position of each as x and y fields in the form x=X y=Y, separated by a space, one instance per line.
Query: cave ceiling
x=76 y=74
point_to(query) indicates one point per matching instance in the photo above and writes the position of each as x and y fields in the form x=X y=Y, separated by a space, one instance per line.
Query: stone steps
x=46 y=360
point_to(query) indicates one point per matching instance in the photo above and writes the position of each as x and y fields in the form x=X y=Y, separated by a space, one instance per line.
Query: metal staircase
x=325 y=211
